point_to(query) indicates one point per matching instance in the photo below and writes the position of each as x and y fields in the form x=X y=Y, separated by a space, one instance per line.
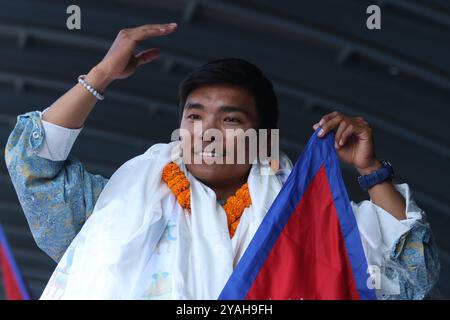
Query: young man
x=162 y=227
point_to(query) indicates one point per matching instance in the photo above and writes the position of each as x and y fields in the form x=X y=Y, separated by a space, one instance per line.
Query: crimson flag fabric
x=12 y=280
x=308 y=245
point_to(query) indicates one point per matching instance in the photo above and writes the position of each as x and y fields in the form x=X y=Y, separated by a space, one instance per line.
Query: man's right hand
x=121 y=61
x=74 y=106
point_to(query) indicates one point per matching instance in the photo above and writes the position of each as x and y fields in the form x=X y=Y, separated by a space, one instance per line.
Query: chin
x=207 y=172
x=217 y=174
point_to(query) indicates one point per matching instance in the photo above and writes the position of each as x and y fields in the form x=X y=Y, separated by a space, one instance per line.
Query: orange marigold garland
x=178 y=183
x=235 y=205
x=180 y=187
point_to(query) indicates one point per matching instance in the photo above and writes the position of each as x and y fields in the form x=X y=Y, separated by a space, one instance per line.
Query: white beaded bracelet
x=90 y=88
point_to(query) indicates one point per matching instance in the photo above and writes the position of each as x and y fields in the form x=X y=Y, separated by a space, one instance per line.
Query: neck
x=224 y=191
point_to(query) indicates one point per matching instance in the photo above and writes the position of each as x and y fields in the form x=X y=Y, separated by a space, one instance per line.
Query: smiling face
x=220 y=107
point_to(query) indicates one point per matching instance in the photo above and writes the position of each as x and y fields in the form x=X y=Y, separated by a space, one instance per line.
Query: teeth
x=208 y=154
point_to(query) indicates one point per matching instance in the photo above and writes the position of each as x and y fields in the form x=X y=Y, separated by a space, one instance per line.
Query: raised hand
x=121 y=61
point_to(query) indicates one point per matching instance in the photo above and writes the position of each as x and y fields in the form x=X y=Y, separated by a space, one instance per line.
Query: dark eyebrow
x=225 y=109
x=222 y=109
x=194 y=105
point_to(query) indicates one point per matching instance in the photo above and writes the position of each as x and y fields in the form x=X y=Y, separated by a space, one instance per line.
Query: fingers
x=329 y=122
x=327 y=117
x=147 y=31
x=147 y=56
x=345 y=135
x=343 y=126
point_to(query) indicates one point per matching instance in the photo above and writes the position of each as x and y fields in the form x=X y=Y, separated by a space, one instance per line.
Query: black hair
x=236 y=72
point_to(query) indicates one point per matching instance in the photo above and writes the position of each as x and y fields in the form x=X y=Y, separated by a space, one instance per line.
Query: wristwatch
x=386 y=172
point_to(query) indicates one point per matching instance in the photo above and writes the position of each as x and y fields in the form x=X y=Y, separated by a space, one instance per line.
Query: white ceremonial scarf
x=140 y=244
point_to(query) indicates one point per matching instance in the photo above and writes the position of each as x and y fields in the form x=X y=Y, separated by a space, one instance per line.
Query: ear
x=269 y=148
x=263 y=145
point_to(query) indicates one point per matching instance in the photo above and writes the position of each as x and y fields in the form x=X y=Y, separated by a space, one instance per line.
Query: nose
x=207 y=123
x=206 y=136
x=208 y=139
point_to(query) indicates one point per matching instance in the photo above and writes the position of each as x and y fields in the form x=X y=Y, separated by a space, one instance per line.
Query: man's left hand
x=353 y=140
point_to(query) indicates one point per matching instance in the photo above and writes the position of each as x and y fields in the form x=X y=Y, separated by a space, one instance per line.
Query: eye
x=232 y=120
x=194 y=116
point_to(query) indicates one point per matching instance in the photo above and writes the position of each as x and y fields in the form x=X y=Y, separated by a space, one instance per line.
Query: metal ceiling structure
x=319 y=54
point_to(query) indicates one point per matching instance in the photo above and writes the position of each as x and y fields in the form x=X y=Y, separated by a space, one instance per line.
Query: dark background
x=319 y=54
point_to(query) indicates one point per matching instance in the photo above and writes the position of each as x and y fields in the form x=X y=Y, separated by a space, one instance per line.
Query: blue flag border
x=15 y=269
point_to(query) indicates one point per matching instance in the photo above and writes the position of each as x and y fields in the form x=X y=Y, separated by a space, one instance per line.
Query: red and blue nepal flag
x=13 y=283
x=308 y=245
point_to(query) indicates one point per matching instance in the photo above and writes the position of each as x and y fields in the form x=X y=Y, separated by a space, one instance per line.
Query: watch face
x=387 y=163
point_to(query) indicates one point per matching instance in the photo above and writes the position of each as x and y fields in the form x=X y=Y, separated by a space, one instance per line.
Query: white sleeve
x=58 y=141
x=380 y=231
